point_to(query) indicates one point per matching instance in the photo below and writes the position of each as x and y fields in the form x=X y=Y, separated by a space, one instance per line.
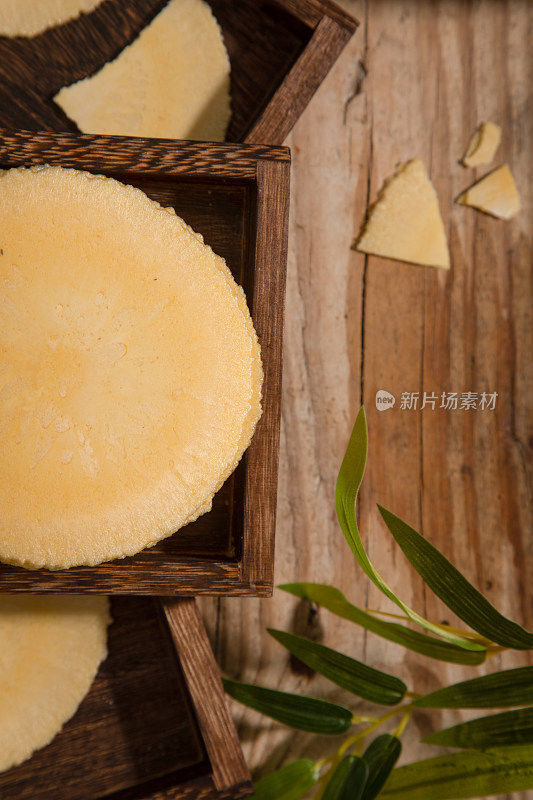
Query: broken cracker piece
x=483 y=145
x=405 y=222
x=173 y=81
x=495 y=194
x=31 y=17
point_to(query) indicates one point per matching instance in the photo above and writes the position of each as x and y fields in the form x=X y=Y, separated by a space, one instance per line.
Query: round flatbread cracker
x=31 y=17
x=51 y=649
x=130 y=371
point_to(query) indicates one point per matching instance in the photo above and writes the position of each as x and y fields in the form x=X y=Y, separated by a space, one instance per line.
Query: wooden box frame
x=280 y=51
x=210 y=765
x=241 y=193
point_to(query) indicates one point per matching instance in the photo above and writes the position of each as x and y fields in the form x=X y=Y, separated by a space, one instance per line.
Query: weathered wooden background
x=415 y=81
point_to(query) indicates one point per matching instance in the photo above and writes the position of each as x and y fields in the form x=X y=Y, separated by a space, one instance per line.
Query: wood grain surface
x=198 y=664
x=134 y=156
x=414 y=81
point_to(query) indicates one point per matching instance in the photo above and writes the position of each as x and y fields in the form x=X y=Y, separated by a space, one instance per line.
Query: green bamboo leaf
x=381 y=756
x=458 y=776
x=358 y=678
x=509 y=727
x=348 y=483
x=333 y=600
x=304 y=713
x=511 y=687
x=348 y=780
x=287 y=783
x=453 y=589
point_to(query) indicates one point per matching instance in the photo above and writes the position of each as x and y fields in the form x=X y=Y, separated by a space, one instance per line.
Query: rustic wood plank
x=464 y=477
x=132 y=155
x=270 y=259
x=205 y=687
x=414 y=82
x=147 y=574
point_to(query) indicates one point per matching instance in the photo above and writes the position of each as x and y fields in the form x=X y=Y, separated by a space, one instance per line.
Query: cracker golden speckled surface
x=130 y=377
x=51 y=650
x=31 y=17
x=172 y=81
x=495 y=194
x=405 y=223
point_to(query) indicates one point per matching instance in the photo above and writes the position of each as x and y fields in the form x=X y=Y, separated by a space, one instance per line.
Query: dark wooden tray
x=280 y=51
x=154 y=726
x=237 y=197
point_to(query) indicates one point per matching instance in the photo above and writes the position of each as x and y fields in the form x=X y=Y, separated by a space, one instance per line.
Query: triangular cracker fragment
x=51 y=648
x=130 y=372
x=483 y=145
x=495 y=194
x=405 y=222
x=31 y=17
x=173 y=81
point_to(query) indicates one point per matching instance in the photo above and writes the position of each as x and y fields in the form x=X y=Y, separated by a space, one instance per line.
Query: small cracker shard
x=405 y=223
x=495 y=194
x=483 y=145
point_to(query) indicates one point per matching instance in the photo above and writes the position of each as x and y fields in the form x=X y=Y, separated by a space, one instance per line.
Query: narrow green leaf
x=287 y=783
x=348 y=483
x=453 y=588
x=348 y=780
x=333 y=600
x=458 y=776
x=511 y=687
x=381 y=755
x=509 y=727
x=304 y=713
x=358 y=678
